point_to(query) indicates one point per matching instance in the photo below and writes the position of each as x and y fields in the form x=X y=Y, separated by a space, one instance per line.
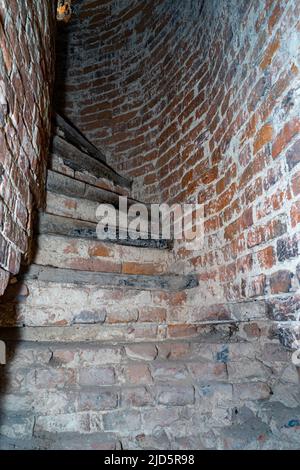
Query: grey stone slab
x=163 y=282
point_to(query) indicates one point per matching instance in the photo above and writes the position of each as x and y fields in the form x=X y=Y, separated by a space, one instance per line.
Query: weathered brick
x=4 y=278
x=206 y=372
x=251 y=391
x=281 y=281
x=144 y=352
x=283 y=307
x=175 y=396
x=169 y=373
x=97 y=400
x=269 y=53
x=137 y=397
x=96 y=376
x=137 y=374
x=264 y=233
x=122 y=315
x=295 y=214
x=246 y=370
x=287 y=248
x=296 y=184
x=263 y=137
x=53 y=378
x=293 y=155
x=266 y=257
x=152 y=314
x=256 y=286
x=289 y=130
x=122 y=421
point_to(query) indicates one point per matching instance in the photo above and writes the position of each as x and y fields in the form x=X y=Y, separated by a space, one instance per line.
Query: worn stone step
x=57 y=165
x=170 y=283
x=86 y=210
x=99 y=256
x=59 y=225
x=72 y=135
x=128 y=312
x=72 y=187
x=78 y=160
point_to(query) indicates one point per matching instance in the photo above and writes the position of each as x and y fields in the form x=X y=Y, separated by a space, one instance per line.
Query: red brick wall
x=26 y=32
x=113 y=82
x=201 y=102
x=241 y=155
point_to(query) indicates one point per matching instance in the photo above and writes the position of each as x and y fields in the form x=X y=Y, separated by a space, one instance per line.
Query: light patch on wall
x=2 y=353
x=64 y=10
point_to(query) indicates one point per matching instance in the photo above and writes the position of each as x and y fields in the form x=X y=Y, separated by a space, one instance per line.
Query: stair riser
x=169 y=314
x=87 y=255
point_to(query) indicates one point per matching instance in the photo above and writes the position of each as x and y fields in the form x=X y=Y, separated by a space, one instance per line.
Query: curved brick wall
x=197 y=99
x=26 y=32
x=117 y=79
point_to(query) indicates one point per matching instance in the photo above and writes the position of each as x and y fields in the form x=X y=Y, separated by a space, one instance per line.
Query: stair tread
x=79 y=208
x=75 y=137
x=171 y=282
x=76 y=228
x=68 y=186
x=78 y=160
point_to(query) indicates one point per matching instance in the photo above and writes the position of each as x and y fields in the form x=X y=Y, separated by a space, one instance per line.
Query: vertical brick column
x=26 y=76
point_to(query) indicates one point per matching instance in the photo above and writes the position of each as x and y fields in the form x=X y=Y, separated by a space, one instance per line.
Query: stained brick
x=289 y=130
x=175 y=396
x=287 y=248
x=263 y=137
x=269 y=54
x=280 y=281
x=266 y=257
x=96 y=376
x=293 y=155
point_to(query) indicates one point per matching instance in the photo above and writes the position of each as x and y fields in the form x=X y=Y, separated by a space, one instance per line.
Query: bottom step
x=170 y=282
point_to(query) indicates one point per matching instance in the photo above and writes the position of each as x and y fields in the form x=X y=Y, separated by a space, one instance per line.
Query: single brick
x=281 y=281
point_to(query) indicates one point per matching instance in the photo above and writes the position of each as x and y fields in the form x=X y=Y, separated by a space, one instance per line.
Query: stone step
x=57 y=165
x=73 y=187
x=86 y=210
x=101 y=256
x=117 y=312
x=72 y=135
x=78 y=160
x=59 y=225
x=171 y=283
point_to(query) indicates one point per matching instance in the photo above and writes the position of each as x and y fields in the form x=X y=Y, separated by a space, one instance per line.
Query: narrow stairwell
x=106 y=344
